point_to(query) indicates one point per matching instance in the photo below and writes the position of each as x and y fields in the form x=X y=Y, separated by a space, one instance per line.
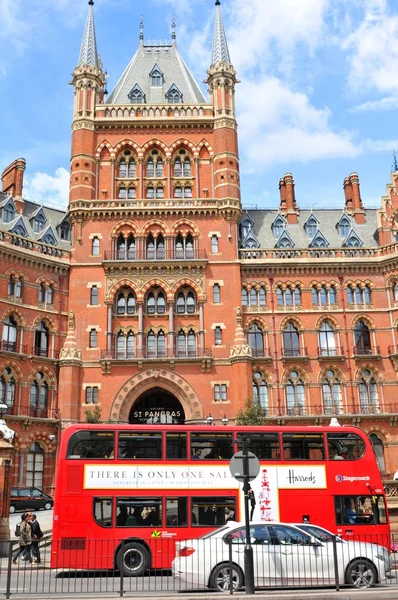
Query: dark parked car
x=25 y=498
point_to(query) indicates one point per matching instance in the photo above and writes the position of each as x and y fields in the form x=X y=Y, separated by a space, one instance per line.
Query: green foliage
x=251 y=414
x=93 y=416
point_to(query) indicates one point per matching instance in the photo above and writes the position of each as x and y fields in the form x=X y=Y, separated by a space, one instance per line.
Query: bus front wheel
x=133 y=559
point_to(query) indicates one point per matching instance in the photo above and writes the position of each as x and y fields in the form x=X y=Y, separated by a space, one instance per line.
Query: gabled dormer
x=48 y=237
x=311 y=226
x=136 y=95
x=318 y=240
x=19 y=227
x=278 y=226
x=64 y=229
x=38 y=220
x=9 y=210
x=353 y=240
x=344 y=226
x=250 y=241
x=173 y=95
x=156 y=78
x=284 y=241
x=245 y=226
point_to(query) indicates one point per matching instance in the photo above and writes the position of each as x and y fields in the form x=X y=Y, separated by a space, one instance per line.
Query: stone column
x=201 y=328
x=109 y=330
x=140 y=328
x=171 y=328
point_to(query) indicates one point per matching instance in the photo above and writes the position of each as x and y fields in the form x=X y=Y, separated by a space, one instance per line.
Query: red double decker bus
x=139 y=489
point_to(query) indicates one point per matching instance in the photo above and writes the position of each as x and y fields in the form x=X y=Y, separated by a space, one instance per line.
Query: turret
x=89 y=83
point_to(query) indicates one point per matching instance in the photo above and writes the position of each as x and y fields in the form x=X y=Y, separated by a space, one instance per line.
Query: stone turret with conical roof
x=89 y=83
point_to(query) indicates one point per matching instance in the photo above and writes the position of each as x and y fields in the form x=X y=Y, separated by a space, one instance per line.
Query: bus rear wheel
x=133 y=559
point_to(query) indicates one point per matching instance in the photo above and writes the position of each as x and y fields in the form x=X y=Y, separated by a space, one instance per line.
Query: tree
x=93 y=416
x=251 y=414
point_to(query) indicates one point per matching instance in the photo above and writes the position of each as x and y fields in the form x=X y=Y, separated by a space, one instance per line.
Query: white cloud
x=48 y=189
x=279 y=125
x=388 y=103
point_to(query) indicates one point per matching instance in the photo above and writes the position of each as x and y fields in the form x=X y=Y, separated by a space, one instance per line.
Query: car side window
x=260 y=535
x=238 y=536
x=37 y=494
x=287 y=536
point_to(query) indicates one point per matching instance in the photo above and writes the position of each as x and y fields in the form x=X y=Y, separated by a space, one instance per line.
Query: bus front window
x=360 y=510
x=91 y=444
x=347 y=446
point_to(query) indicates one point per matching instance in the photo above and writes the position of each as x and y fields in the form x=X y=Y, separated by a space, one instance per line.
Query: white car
x=283 y=555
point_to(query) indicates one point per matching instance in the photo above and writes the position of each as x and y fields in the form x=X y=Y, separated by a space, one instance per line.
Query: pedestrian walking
x=37 y=534
x=25 y=540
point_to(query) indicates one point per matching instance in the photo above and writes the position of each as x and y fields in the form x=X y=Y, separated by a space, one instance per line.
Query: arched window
x=131 y=247
x=178 y=192
x=216 y=293
x=291 y=340
x=7 y=389
x=49 y=294
x=332 y=395
x=191 y=344
x=327 y=340
x=260 y=391
x=159 y=192
x=9 y=213
x=344 y=227
x=130 y=347
x=368 y=393
x=181 y=344
x=11 y=285
x=42 y=338
x=94 y=296
x=155 y=248
x=395 y=292
x=122 y=193
x=191 y=304
x=35 y=466
x=150 y=248
x=367 y=295
x=291 y=296
x=93 y=338
x=256 y=340
x=121 y=304
x=295 y=395
x=125 y=345
x=187 y=191
x=178 y=167
x=189 y=247
x=311 y=227
x=214 y=244
x=253 y=297
x=38 y=223
x=244 y=297
x=9 y=337
x=350 y=295
x=262 y=297
x=65 y=231
x=187 y=167
x=42 y=293
x=156 y=302
x=151 y=304
x=95 y=248
x=332 y=295
x=18 y=287
x=38 y=403
x=121 y=248
x=379 y=451
x=362 y=339
x=156 y=345
x=150 y=167
x=159 y=172
x=180 y=304
x=122 y=168
x=161 y=304
x=131 y=193
x=132 y=168
x=150 y=192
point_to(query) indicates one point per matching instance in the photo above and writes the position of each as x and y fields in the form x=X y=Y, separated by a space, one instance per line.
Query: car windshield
x=317 y=532
x=214 y=533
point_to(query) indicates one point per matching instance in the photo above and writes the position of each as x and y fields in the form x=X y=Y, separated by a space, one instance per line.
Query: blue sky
x=318 y=95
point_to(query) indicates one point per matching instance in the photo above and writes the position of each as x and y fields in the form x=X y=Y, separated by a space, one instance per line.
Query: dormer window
x=344 y=227
x=156 y=77
x=311 y=227
x=136 y=95
x=65 y=231
x=38 y=223
x=174 y=95
x=9 y=213
x=278 y=226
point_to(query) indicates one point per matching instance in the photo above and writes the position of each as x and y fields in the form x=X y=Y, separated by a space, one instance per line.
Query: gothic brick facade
x=156 y=297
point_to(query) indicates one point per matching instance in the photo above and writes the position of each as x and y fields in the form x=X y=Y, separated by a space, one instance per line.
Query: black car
x=25 y=498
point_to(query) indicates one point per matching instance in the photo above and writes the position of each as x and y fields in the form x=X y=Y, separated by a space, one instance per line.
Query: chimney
x=353 y=202
x=288 y=205
x=12 y=181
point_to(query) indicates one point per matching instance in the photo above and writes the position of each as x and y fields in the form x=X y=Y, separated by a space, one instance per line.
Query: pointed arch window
x=65 y=231
x=155 y=248
x=156 y=77
x=295 y=395
x=95 y=247
x=291 y=296
x=395 y=292
x=255 y=339
x=18 y=287
x=150 y=167
x=156 y=303
x=253 y=297
x=216 y=293
x=159 y=171
x=344 y=227
x=42 y=293
x=245 y=297
x=38 y=223
x=49 y=294
x=42 y=339
x=291 y=340
x=156 y=344
x=9 y=213
x=278 y=227
x=132 y=168
x=121 y=248
x=122 y=193
x=7 y=389
x=311 y=227
x=368 y=393
x=174 y=96
x=125 y=345
x=159 y=192
x=327 y=340
x=38 y=403
x=93 y=338
x=362 y=339
x=9 y=337
x=260 y=391
x=35 y=466
x=136 y=95
x=332 y=394
x=94 y=295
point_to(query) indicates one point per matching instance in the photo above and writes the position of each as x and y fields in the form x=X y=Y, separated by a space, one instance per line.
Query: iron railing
x=150 y=255
x=155 y=354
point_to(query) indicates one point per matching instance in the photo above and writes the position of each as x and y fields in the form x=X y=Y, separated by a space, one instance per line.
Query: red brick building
x=157 y=298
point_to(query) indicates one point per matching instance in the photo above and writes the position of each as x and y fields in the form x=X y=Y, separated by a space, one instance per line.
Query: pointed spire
x=220 y=46
x=240 y=351
x=141 y=29
x=88 y=50
x=173 y=29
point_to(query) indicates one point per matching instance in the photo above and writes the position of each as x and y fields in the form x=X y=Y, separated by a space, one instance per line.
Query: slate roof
x=220 y=45
x=328 y=220
x=54 y=218
x=88 y=51
x=174 y=70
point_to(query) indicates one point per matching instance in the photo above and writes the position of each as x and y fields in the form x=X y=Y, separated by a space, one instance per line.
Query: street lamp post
x=7 y=452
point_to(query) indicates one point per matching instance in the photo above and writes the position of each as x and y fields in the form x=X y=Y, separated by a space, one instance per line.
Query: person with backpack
x=37 y=534
x=25 y=540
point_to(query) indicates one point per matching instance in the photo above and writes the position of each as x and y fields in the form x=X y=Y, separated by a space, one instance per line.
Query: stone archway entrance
x=160 y=385
x=157 y=406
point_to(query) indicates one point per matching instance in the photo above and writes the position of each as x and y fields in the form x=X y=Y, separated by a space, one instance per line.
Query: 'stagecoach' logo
x=339 y=478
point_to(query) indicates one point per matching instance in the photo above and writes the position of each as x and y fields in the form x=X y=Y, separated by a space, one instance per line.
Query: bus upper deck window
x=303 y=446
x=345 y=446
x=91 y=444
x=263 y=445
x=207 y=446
x=176 y=445
x=140 y=445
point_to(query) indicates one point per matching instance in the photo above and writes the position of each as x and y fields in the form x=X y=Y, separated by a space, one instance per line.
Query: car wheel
x=12 y=509
x=133 y=559
x=221 y=576
x=361 y=573
x=48 y=506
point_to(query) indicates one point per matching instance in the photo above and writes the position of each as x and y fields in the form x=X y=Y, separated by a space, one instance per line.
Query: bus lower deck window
x=176 y=512
x=213 y=511
x=138 y=512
